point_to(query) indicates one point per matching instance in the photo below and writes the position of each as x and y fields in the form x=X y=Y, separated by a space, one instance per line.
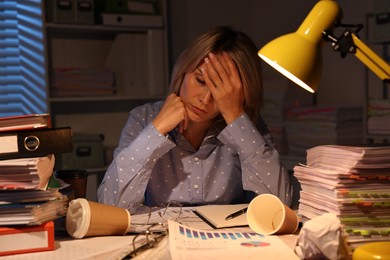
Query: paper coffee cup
x=87 y=219
x=268 y=215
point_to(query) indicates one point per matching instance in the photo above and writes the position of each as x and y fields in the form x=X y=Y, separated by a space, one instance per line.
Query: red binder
x=26 y=239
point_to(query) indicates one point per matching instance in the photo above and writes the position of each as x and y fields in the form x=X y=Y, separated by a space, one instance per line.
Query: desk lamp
x=297 y=55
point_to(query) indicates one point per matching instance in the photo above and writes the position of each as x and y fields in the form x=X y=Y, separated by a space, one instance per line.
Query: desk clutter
x=344 y=186
x=27 y=204
x=353 y=184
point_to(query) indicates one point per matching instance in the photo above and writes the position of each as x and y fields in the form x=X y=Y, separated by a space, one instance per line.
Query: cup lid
x=78 y=218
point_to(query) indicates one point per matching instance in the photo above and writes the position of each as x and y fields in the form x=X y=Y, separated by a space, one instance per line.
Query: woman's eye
x=201 y=81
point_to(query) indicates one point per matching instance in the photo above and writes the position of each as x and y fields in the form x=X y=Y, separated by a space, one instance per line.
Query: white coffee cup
x=268 y=215
x=87 y=219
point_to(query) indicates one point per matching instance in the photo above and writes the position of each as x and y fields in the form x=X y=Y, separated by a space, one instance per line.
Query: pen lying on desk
x=236 y=214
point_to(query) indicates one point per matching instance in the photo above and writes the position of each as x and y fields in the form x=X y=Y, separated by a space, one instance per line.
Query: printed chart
x=189 y=243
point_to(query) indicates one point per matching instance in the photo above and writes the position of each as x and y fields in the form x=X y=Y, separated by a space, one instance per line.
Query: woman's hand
x=172 y=114
x=223 y=79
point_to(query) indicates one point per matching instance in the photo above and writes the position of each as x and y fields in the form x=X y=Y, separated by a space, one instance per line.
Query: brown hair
x=243 y=52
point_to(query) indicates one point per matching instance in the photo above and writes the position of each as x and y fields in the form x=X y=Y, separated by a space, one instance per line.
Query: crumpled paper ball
x=321 y=238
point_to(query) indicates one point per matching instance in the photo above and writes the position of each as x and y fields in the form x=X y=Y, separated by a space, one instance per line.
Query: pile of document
x=27 y=160
x=379 y=116
x=307 y=127
x=351 y=182
x=279 y=97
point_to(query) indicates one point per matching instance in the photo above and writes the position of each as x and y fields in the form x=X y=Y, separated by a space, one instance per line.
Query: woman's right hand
x=172 y=114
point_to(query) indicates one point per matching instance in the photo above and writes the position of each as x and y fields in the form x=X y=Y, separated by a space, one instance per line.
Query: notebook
x=215 y=215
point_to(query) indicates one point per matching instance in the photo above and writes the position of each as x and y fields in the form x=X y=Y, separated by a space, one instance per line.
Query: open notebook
x=215 y=215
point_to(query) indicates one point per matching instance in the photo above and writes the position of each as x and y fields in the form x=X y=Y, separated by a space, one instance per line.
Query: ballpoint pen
x=236 y=214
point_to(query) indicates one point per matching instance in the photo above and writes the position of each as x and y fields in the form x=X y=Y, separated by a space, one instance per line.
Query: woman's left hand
x=223 y=79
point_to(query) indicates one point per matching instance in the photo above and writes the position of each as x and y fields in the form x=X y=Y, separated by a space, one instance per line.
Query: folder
x=35 y=143
x=26 y=239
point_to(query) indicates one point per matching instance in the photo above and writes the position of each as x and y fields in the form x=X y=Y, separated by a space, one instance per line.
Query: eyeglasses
x=144 y=216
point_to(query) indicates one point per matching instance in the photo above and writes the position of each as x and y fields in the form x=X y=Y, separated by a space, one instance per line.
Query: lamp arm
x=350 y=43
x=375 y=63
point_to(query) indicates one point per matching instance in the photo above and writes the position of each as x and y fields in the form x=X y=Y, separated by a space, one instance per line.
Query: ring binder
x=34 y=143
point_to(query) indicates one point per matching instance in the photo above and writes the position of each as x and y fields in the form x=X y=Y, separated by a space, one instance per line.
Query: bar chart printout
x=190 y=243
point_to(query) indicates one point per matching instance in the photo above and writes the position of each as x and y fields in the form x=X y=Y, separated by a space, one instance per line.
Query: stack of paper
x=26 y=173
x=23 y=198
x=351 y=182
x=279 y=97
x=379 y=116
x=31 y=207
x=307 y=127
x=22 y=122
x=27 y=206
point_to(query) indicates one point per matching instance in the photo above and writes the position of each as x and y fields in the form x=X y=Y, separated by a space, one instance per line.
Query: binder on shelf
x=35 y=143
x=26 y=239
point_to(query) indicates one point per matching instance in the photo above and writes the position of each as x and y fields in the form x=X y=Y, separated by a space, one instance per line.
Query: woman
x=206 y=144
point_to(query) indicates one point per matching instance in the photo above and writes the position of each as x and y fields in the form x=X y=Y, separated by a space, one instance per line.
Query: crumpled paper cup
x=268 y=215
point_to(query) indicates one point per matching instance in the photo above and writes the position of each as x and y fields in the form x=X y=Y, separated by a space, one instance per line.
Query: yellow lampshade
x=298 y=55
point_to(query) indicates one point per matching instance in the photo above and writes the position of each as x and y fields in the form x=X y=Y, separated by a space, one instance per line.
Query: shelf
x=103 y=29
x=97 y=105
x=101 y=98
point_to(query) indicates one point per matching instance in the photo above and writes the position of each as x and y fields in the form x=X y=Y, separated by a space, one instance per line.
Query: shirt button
x=196 y=186
x=196 y=159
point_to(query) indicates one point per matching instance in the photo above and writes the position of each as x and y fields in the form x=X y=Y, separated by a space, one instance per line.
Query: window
x=22 y=58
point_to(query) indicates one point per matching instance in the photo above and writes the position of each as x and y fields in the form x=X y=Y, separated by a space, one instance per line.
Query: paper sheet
x=190 y=243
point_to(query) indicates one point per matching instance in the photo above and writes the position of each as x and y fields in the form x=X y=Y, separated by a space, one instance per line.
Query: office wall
x=343 y=79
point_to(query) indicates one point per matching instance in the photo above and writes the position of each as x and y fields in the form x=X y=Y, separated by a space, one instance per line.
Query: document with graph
x=191 y=243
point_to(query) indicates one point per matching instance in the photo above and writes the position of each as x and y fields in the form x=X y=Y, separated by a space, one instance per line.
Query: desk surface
x=113 y=247
x=107 y=248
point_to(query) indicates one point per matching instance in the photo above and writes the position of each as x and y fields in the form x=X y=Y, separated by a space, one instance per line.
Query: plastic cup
x=88 y=219
x=268 y=215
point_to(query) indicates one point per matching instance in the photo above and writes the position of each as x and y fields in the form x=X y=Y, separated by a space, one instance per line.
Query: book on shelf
x=71 y=82
x=27 y=239
x=24 y=122
x=215 y=215
x=35 y=142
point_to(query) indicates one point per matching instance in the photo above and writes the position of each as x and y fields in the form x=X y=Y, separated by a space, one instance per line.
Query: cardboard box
x=88 y=152
x=85 y=11
x=70 y=11
x=60 y=11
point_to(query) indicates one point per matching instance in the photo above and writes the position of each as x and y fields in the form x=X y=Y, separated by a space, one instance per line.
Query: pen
x=236 y=214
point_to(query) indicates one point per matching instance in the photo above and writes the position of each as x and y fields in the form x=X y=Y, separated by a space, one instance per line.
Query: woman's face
x=197 y=98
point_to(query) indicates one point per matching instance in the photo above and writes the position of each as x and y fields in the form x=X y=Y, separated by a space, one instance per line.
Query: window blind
x=22 y=58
